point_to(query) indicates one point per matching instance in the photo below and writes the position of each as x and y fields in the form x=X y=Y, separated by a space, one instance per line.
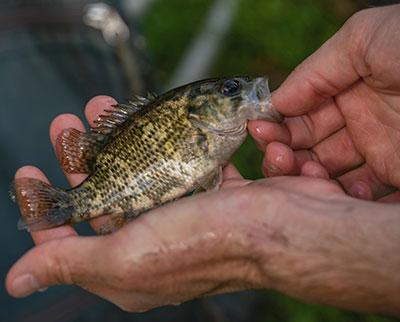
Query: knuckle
x=355 y=33
x=359 y=18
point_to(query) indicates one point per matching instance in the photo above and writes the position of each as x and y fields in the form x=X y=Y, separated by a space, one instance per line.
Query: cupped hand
x=302 y=236
x=343 y=110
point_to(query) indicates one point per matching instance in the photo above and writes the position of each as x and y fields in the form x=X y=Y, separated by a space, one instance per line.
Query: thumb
x=330 y=70
x=60 y=261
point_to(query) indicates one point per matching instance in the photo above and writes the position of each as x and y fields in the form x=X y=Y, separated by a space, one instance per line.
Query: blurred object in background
x=136 y=8
x=201 y=53
x=57 y=54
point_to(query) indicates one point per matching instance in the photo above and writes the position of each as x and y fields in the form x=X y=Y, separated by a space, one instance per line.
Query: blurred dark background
x=56 y=55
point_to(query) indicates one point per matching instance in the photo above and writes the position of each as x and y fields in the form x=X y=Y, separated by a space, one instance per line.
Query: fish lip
x=259 y=99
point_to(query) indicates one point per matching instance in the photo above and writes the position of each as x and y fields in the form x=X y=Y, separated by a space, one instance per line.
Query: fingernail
x=25 y=284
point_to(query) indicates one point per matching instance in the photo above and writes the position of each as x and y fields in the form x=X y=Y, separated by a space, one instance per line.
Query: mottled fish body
x=148 y=152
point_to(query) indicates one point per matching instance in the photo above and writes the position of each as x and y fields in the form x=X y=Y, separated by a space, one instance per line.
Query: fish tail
x=42 y=206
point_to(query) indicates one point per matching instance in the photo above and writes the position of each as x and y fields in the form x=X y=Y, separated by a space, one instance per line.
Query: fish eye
x=230 y=87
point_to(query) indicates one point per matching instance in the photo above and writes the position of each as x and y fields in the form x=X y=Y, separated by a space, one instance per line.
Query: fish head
x=225 y=105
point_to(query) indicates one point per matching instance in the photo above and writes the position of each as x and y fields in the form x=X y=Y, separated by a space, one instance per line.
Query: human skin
x=344 y=108
x=299 y=235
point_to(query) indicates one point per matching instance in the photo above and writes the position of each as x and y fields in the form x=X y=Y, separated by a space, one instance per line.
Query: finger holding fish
x=94 y=108
x=145 y=153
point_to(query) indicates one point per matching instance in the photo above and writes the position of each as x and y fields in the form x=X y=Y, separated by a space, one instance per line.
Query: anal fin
x=77 y=150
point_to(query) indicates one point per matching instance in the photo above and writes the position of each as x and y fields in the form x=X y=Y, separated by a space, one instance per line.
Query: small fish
x=145 y=153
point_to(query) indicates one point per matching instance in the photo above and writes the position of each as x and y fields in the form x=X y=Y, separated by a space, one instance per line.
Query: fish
x=148 y=152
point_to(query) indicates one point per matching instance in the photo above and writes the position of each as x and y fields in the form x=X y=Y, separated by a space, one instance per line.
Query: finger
x=324 y=74
x=40 y=237
x=337 y=153
x=232 y=177
x=93 y=109
x=279 y=160
x=264 y=132
x=96 y=106
x=314 y=169
x=231 y=173
x=392 y=198
x=310 y=129
x=60 y=123
x=362 y=183
x=61 y=261
x=300 y=132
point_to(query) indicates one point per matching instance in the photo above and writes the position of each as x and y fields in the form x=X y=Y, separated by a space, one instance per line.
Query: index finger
x=331 y=69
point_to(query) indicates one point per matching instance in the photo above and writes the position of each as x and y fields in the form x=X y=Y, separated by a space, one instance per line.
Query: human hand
x=343 y=109
x=301 y=236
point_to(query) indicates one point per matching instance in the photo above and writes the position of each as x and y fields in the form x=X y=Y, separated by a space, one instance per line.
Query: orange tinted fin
x=77 y=151
x=41 y=205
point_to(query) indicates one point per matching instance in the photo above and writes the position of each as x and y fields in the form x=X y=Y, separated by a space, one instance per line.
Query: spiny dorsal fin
x=107 y=123
x=77 y=151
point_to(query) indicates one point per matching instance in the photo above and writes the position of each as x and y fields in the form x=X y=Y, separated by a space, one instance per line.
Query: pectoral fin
x=211 y=182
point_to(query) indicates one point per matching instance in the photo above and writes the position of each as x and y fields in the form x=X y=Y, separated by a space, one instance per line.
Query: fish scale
x=133 y=154
x=148 y=152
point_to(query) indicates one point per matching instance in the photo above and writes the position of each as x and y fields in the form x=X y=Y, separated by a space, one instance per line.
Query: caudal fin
x=42 y=206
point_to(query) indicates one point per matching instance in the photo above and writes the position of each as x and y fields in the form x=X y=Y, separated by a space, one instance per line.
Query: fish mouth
x=259 y=99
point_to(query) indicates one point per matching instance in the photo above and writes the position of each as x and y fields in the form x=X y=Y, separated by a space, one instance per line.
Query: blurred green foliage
x=266 y=38
x=169 y=28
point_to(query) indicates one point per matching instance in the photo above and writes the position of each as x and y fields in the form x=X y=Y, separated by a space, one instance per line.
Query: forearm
x=349 y=259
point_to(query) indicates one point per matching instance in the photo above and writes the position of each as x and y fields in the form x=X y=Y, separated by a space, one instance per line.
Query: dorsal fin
x=77 y=151
x=107 y=123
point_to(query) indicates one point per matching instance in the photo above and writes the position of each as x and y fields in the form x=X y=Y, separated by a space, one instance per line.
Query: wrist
x=342 y=253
